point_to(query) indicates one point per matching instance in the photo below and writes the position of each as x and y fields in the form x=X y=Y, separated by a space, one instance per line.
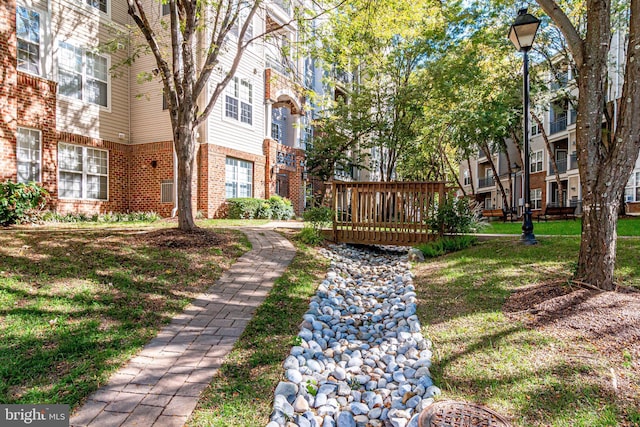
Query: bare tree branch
x=575 y=42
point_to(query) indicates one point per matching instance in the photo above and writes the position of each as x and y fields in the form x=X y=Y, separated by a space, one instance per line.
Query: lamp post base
x=528 y=238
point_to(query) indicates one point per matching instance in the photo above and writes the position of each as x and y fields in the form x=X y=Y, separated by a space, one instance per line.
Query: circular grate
x=449 y=413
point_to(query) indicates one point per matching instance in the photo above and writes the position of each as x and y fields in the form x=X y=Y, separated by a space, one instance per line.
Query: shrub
x=318 y=217
x=446 y=245
x=310 y=236
x=243 y=208
x=248 y=208
x=105 y=218
x=281 y=208
x=455 y=215
x=21 y=203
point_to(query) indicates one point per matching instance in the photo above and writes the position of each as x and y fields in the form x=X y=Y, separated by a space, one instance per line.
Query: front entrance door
x=282 y=185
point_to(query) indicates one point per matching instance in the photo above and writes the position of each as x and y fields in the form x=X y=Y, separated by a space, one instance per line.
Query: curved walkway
x=162 y=384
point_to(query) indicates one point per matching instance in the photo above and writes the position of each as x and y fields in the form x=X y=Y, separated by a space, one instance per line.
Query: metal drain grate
x=449 y=413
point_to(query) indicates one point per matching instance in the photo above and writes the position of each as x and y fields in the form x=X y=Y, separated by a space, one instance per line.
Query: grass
x=484 y=357
x=241 y=394
x=626 y=227
x=75 y=305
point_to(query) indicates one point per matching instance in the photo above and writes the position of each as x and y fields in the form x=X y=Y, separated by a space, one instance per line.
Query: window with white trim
x=28 y=35
x=83 y=172
x=535 y=129
x=632 y=190
x=466 y=177
x=235 y=28
x=28 y=154
x=238 y=178
x=83 y=75
x=536 y=198
x=101 y=5
x=239 y=100
x=536 y=159
x=166 y=10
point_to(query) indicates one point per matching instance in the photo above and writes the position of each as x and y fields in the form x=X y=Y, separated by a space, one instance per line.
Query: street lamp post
x=522 y=34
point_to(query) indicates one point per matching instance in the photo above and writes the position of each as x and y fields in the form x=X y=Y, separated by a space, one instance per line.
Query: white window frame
x=466 y=176
x=536 y=199
x=632 y=190
x=85 y=74
x=237 y=102
x=535 y=129
x=536 y=161
x=84 y=171
x=29 y=155
x=38 y=43
x=91 y=6
x=235 y=183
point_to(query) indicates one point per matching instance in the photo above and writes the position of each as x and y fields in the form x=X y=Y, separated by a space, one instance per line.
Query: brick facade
x=537 y=180
x=135 y=172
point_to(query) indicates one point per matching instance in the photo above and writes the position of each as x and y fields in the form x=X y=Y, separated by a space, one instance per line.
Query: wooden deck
x=385 y=213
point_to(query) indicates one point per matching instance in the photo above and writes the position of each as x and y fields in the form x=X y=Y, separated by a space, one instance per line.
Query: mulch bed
x=177 y=239
x=609 y=321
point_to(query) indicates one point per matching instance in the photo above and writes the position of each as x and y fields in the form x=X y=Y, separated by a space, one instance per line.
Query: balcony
x=277 y=65
x=573 y=164
x=558 y=125
x=285 y=5
x=560 y=81
x=486 y=182
x=562 y=167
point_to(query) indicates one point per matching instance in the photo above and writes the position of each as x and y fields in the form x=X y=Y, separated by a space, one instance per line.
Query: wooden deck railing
x=385 y=213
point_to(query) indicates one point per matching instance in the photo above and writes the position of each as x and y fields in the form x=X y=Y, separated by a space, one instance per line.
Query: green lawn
x=75 y=305
x=534 y=377
x=626 y=227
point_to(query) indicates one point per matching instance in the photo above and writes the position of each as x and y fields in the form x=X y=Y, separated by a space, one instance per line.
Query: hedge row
x=247 y=208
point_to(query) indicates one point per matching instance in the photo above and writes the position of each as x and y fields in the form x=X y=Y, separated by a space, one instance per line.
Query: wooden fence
x=385 y=213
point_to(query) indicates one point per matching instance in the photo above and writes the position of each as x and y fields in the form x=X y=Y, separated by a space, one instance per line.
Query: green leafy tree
x=606 y=156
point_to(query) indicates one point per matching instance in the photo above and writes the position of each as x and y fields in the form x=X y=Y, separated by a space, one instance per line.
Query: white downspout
x=175 y=183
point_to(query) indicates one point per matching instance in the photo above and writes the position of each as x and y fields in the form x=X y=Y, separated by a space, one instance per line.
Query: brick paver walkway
x=161 y=385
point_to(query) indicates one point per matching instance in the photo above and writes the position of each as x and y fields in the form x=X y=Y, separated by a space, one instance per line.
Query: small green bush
x=248 y=208
x=243 y=208
x=108 y=217
x=281 y=208
x=310 y=236
x=446 y=245
x=21 y=203
x=456 y=216
x=319 y=218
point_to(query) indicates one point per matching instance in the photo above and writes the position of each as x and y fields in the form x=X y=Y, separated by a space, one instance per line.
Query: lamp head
x=523 y=31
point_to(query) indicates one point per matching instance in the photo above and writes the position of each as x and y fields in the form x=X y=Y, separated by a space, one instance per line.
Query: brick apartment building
x=100 y=141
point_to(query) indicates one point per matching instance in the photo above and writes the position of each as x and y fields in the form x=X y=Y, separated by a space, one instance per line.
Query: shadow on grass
x=74 y=305
x=482 y=356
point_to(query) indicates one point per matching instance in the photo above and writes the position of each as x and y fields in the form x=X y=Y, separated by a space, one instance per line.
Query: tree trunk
x=185 y=152
x=510 y=171
x=551 y=156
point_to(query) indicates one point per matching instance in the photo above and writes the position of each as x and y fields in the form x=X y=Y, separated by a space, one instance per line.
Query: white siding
x=74 y=22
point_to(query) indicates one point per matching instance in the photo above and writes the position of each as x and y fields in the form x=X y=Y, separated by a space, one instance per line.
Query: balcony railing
x=560 y=81
x=558 y=125
x=573 y=164
x=486 y=182
x=562 y=166
x=284 y=5
x=276 y=64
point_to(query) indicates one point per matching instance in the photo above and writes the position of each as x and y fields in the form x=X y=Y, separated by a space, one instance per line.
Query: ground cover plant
x=241 y=394
x=76 y=304
x=510 y=331
x=626 y=227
